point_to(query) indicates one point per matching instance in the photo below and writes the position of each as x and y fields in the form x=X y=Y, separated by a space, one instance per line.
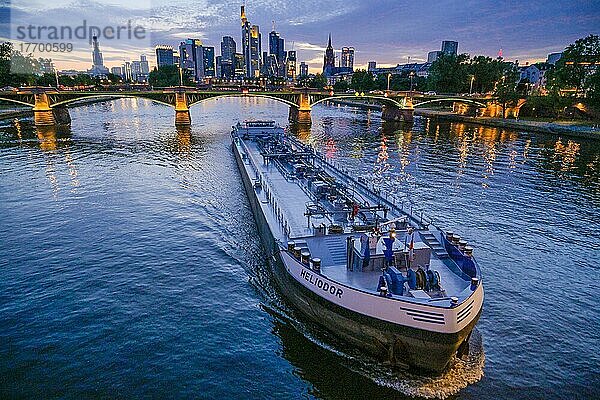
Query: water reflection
x=184 y=140
x=329 y=374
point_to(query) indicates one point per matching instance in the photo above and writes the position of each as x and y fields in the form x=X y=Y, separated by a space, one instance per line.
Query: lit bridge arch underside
x=380 y=99
x=168 y=98
x=452 y=99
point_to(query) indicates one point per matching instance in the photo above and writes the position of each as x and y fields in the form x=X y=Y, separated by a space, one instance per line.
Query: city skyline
x=404 y=29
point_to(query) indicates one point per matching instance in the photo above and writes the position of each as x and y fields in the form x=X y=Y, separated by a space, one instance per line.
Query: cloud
x=388 y=31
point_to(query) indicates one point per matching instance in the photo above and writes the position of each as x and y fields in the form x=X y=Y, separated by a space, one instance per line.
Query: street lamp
x=471 y=89
x=412 y=74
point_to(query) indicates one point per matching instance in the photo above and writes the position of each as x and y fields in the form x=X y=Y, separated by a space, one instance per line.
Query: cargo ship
x=353 y=259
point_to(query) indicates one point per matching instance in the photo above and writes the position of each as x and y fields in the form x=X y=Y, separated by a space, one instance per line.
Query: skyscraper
x=136 y=70
x=449 y=47
x=127 y=71
x=246 y=42
x=432 y=56
x=239 y=69
x=348 y=58
x=291 y=64
x=255 y=51
x=228 y=49
x=303 y=69
x=251 y=46
x=277 y=56
x=187 y=56
x=144 y=66
x=199 y=61
x=97 y=60
x=209 y=61
x=329 y=59
x=164 y=56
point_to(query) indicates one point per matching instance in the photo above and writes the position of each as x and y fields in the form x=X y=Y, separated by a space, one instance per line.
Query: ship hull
x=401 y=345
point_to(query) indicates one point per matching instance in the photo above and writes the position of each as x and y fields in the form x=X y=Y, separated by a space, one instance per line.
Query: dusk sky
x=387 y=31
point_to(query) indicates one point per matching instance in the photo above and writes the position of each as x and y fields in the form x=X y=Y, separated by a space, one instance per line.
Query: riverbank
x=569 y=128
x=556 y=128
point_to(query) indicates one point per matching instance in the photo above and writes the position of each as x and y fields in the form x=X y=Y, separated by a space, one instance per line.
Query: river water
x=130 y=265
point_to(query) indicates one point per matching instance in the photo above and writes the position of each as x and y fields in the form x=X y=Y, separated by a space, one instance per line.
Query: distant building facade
x=290 y=65
x=347 y=58
x=553 y=58
x=208 y=62
x=164 y=56
x=450 y=47
x=432 y=56
x=535 y=74
x=303 y=69
x=117 y=71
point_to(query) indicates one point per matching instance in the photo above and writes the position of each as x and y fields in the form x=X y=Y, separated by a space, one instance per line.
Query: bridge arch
x=454 y=100
x=381 y=99
x=9 y=100
x=235 y=94
x=113 y=96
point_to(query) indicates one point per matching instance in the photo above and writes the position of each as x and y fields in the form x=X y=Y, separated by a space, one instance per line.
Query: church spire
x=329 y=43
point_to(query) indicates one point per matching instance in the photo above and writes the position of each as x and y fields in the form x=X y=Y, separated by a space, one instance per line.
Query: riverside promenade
x=557 y=128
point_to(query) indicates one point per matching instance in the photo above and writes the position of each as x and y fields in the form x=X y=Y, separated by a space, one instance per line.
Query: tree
x=168 y=75
x=593 y=89
x=363 y=81
x=15 y=68
x=341 y=86
x=318 y=81
x=484 y=72
x=5 y=52
x=506 y=89
x=576 y=66
x=449 y=74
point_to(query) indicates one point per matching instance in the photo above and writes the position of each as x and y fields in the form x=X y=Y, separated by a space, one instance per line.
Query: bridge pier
x=397 y=114
x=182 y=111
x=44 y=115
x=299 y=116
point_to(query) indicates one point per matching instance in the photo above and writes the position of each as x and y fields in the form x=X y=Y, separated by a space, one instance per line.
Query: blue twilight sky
x=388 y=31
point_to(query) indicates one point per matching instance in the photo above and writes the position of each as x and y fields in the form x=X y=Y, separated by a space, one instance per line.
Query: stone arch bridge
x=50 y=105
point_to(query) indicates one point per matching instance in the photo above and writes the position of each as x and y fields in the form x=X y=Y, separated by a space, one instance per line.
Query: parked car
x=430 y=93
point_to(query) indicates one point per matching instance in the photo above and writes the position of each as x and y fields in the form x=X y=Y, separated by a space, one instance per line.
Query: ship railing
x=268 y=191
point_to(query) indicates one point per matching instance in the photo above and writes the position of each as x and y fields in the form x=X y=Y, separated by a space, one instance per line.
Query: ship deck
x=289 y=201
